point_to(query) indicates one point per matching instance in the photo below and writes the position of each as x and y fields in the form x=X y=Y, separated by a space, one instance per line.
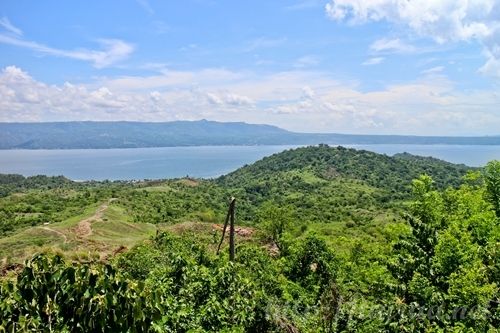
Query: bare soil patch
x=84 y=228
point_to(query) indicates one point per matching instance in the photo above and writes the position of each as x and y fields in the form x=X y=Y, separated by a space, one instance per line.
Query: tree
x=492 y=179
x=274 y=221
x=447 y=260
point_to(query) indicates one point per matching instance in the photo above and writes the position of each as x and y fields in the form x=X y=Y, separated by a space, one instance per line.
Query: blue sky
x=382 y=67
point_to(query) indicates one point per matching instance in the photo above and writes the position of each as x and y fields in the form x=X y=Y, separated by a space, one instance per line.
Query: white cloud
x=112 y=50
x=430 y=105
x=168 y=79
x=308 y=93
x=228 y=99
x=155 y=96
x=433 y=70
x=373 y=61
x=5 y=23
x=306 y=61
x=214 y=99
x=237 y=100
x=392 y=46
x=443 y=21
x=492 y=53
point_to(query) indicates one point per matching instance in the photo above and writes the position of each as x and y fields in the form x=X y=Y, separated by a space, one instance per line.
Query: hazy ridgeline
x=121 y=134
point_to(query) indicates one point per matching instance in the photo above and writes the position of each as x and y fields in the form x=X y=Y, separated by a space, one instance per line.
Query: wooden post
x=230 y=220
x=224 y=229
x=231 y=230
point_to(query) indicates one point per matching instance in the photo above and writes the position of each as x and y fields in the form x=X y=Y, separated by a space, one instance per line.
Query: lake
x=203 y=162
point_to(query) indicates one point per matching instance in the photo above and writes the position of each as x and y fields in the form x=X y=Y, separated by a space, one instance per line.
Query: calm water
x=205 y=162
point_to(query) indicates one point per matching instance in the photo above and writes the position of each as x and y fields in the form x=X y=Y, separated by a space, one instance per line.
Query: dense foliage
x=377 y=170
x=10 y=183
x=172 y=284
x=327 y=184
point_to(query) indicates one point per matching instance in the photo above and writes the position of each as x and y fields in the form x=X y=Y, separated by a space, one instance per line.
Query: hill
x=334 y=183
x=122 y=134
x=16 y=183
x=379 y=170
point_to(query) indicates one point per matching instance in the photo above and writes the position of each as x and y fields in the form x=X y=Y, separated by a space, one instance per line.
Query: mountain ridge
x=132 y=134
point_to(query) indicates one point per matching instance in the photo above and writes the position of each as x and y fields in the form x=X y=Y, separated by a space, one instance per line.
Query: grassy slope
x=109 y=233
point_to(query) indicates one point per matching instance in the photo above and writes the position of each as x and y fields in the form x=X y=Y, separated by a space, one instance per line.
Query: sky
x=421 y=67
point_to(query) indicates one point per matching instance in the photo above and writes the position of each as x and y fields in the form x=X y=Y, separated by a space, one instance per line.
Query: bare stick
x=231 y=230
x=225 y=225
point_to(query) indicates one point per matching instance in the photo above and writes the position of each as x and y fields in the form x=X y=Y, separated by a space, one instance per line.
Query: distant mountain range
x=123 y=134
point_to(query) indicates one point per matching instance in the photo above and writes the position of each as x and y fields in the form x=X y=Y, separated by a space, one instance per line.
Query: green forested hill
x=328 y=184
x=16 y=183
x=378 y=170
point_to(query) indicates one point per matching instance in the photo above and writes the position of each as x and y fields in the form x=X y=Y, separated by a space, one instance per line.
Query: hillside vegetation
x=319 y=184
x=328 y=240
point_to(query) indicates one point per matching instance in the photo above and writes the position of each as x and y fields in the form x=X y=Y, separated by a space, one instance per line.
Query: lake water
x=203 y=162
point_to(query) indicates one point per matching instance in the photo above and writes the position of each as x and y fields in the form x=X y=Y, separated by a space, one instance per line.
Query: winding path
x=84 y=228
x=60 y=233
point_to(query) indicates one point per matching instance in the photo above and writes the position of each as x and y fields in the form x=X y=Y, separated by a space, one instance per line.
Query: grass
x=73 y=220
x=113 y=231
x=116 y=228
x=158 y=188
x=19 y=246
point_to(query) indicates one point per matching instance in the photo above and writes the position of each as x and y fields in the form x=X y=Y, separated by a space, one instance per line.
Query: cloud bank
x=443 y=21
x=429 y=105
